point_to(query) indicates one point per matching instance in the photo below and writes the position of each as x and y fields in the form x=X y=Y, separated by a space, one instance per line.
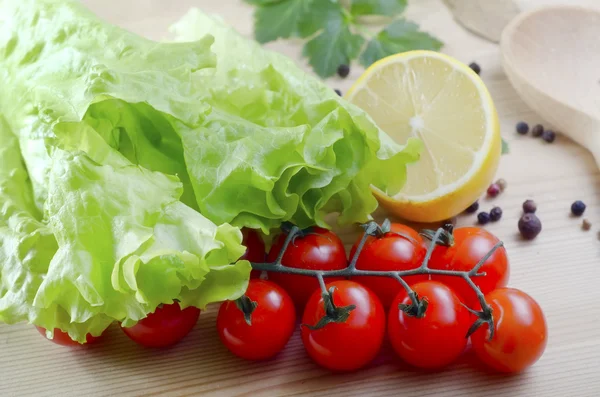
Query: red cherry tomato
x=471 y=244
x=255 y=249
x=319 y=250
x=165 y=327
x=272 y=322
x=349 y=345
x=401 y=249
x=439 y=337
x=520 y=332
x=63 y=338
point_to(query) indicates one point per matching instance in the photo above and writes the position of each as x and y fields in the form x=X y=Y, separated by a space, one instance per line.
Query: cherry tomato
x=272 y=322
x=439 y=337
x=255 y=249
x=320 y=249
x=471 y=244
x=520 y=332
x=348 y=345
x=165 y=327
x=63 y=338
x=400 y=249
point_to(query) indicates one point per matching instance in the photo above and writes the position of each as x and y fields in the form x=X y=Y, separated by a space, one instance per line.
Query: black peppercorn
x=343 y=71
x=529 y=207
x=537 y=130
x=530 y=226
x=578 y=208
x=472 y=208
x=522 y=127
x=495 y=214
x=549 y=136
x=483 y=218
x=476 y=68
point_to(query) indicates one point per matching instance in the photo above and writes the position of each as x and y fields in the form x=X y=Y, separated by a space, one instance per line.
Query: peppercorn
x=530 y=226
x=529 y=207
x=495 y=214
x=483 y=218
x=549 y=136
x=501 y=184
x=493 y=190
x=522 y=127
x=472 y=208
x=586 y=225
x=537 y=130
x=476 y=68
x=578 y=208
x=343 y=71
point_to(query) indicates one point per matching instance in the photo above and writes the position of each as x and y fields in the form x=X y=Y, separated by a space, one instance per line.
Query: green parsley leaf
x=273 y=20
x=262 y=2
x=321 y=13
x=334 y=46
x=505 y=148
x=378 y=7
x=399 y=36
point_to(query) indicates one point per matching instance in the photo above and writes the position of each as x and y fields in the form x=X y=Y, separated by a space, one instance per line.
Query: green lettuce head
x=128 y=166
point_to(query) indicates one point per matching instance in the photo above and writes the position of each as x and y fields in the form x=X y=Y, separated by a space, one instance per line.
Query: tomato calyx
x=247 y=307
x=416 y=308
x=333 y=313
x=483 y=317
x=380 y=231
x=288 y=228
x=446 y=238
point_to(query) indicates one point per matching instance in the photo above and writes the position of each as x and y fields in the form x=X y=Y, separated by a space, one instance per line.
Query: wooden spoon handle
x=594 y=146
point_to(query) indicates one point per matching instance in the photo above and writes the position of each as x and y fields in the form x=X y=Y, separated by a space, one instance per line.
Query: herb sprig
x=334 y=33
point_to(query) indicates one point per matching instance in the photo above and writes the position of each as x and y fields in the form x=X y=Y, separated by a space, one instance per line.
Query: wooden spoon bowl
x=551 y=56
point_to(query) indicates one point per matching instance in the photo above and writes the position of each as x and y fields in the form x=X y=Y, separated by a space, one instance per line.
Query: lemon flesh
x=442 y=102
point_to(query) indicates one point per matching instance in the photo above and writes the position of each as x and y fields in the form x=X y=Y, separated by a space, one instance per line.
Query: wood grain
x=560 y=269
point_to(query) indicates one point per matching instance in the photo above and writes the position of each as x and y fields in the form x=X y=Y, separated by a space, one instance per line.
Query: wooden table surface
x=560 y=269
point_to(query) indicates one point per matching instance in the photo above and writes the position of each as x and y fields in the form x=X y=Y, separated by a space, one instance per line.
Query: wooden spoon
x=484 y=17
x=551 y=56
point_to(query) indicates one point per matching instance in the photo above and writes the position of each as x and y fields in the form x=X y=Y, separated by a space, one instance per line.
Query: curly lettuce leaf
x=306 y=151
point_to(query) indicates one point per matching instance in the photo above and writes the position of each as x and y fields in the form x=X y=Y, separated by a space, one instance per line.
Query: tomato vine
x=418 y=306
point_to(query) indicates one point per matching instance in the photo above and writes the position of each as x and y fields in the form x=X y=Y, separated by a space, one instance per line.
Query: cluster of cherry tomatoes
x=361 y=311
x=433 y=339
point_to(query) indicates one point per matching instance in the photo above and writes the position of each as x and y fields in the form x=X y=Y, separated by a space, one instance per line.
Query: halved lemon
x=441 y=101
